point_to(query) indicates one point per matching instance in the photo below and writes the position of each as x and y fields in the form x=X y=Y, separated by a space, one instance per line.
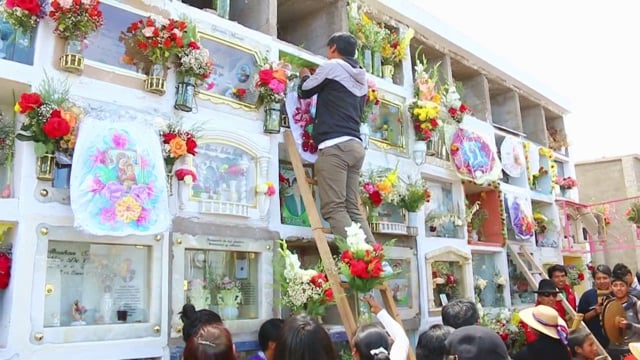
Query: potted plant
x=394 y=50
x=412 y=198
x=476 y=217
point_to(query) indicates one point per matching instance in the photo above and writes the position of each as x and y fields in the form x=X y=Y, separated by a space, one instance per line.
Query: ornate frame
x=384 y=144
x=447 y=254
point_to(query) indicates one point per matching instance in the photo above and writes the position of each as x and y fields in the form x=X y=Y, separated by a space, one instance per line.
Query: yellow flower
x=17 y=108
x=128 y=209
x=392 y=177
x=432 y=112
x=436 y=98
x=365 y=19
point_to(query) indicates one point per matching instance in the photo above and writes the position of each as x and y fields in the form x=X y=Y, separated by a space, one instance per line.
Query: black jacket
x=543 y=348
x=341 y=86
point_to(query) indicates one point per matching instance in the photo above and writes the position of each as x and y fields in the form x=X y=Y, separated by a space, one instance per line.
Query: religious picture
x=292 y=208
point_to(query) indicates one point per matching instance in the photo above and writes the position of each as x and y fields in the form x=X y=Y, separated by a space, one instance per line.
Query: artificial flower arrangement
x=541 y=222
x=378 y=187
x=537 y=176
x=437 y=219
x=284 y=185
x=479 y=285
x=193 y=60
x=51 y=120
x=633 y=213
x=456 y=110
x=372 y=100
x=604 y=212
x=23 y=15
x=444 y=279
x=507 y=325
x=394 y=47
x=76 y=19
x=303 y=117
x=266 y=188
x=362 y=264
x=228 y=292
x=7 y=136
x=272 y=81
x=575 y=274
x=424 y=109
x=566 y=183
x=176 y=143
x=414 y=195
x=557 y=138
x=302 y=290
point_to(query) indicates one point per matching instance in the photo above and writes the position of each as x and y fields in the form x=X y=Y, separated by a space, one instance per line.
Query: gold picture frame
x=388 y=125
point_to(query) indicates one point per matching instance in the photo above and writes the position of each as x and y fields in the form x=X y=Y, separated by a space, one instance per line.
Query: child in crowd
x=583 y=346
x=267 y=337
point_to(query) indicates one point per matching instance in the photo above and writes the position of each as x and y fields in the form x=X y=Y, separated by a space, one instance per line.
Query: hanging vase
x=377 y=64
x=61 y=176
x=272 y=118
x=45 y=166
x=222 y=9
x=364 y=310
x=419 y=152
x=185 y=94
x=72 y=60
x=412 y=219
x=387 y=72
x=23 y=38
x=368 y=61
x=156 y=82
x=374 y=214
x=433 y=145
x=365 y=132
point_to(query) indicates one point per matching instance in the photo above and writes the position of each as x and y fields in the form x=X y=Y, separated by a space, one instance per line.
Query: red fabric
x=5 y=270
x=571 y=296
x=530 y=335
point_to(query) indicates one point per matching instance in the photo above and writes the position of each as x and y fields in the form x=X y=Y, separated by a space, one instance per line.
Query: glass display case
x=230 y=276
x=450 y=268
x=95 y=288
x=488 y=281
x=404 y=287
x=443 y=215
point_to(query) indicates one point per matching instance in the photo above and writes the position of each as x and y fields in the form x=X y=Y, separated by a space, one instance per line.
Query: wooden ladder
x=533 y=272
x=346 y=315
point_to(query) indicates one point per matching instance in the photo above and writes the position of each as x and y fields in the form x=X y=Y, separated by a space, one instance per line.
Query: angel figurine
x=77 y=312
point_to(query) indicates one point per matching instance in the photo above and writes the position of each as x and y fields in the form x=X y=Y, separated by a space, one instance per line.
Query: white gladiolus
x=482 y=283
x=356 y=238
x=501 y=281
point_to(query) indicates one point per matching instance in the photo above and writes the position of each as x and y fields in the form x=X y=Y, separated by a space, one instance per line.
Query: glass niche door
x=95 y=289
x=232 y=277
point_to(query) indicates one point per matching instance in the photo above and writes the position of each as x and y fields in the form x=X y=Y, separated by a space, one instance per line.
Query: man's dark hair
x=621 y=270
x=431 y=343
x=269 y=332
x=345 y=43
x=459 y=313
x=556 y=268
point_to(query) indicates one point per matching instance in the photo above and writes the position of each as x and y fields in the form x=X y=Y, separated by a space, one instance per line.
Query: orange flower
x=281 y=75
x=178 y=147
x=384 y=187
x=70 y=117
x=127 y=60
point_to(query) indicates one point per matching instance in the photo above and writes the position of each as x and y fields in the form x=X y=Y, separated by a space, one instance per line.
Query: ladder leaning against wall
x=342 y=303
x=533 y=272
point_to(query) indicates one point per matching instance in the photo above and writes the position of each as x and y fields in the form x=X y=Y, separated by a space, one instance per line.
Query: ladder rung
x=311 y=181
x=327 y=230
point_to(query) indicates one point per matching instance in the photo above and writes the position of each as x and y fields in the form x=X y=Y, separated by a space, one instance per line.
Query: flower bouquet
x=362 y=264
x=302 y=290
x=156 y=40
x=371 y=36
x=500 y=282
x=444 y=281
x=414 y=195
x=7 y=136
x=272 y=89
x=176 y=143
x=633 y=213
x=424 y=109
x=194 y=66
x=479 y=286
x=372 y=100
x=507 y=325
x=394 y=50
x=377 y=188
x=456 y=109
x=228 y=297
x=75 y=21
x=566 y=183
x=23 y=16
x=575 y=274
x=51 y=122
x=266 y=188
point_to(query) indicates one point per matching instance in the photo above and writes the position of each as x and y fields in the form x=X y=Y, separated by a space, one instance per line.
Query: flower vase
x=185 y=94
x=364 y=310
x=45 y=167
x=272 y=118
x=365 y=133
x=72 y=60
x=170 y=183
x=106 y=306
x=229 y=312
x=377 y=64
x=184 y=194
x=387 y=72
x=374 y=215
x=412 y=219
x=23 y=38
x=432 y=145
x=156 y=82
x=368 y=61
x=228 y=301
x=222 y=9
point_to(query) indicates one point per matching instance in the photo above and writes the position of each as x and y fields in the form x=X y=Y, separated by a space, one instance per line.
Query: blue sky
x=580 y=50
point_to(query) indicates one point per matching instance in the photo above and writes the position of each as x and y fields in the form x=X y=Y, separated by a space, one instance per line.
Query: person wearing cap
x=630 y=323
x=591 y=302
x=553 y=335
x=547 y=294
x=476 y=343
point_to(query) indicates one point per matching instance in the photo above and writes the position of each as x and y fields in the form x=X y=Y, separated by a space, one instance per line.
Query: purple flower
x=108 y=215
x=141 y=193
x=99 y=158
x=96 y=185
x=120 y=141
x=144 y=217
x=113 y=191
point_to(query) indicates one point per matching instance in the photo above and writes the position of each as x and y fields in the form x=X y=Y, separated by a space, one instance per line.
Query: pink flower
x=141 y=193
x=148 y=31
x=96 y=185
x=108 y=215
x=276 y=86
x=143 y=218
x=99 y=158
x=120 y=141
x=271 y=190
x=144 y=162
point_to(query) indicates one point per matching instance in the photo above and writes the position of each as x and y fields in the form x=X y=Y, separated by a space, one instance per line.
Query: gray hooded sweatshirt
x=341 y=86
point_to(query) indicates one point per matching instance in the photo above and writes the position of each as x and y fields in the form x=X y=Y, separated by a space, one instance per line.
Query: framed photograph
x=235 y=66
x=105 y=50
x=387 y=125
x=292 y=208
x=443 y=299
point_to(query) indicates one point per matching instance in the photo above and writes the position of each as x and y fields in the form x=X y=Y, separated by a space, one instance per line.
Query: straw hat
x=546 y=320
x=635 y=349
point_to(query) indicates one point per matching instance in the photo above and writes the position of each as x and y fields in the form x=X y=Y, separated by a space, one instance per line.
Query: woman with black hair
x=431 y=343
x=192 y=320
x=304 y=339
x=372 y=343
x=592 y=300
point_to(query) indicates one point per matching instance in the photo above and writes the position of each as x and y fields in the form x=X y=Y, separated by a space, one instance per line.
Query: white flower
x=188 y=179
x=148 y=31
x=307 y=274
x=356 y=238
x=501 y=281
x=66 y=3
x=291 y=265
x=438 y=281
x=261 y=188
x=481 y=283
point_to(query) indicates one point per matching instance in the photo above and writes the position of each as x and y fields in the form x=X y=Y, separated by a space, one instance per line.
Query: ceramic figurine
x=77 y=312
x=106 y=305
x=453 y=98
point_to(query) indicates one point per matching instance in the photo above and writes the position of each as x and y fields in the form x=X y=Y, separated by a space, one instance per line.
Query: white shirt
x=325 y=144
x=400 y=347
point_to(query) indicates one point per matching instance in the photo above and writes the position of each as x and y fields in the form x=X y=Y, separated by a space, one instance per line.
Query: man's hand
x=304 y=72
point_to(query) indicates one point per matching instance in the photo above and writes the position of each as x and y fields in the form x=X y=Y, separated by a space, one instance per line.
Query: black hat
x=476 y=343
x=546 y=286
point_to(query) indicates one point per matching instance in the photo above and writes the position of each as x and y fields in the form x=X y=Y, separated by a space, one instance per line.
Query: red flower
x=143 y=46
x=581 y=276
x=504 y=336
x=182 y=173
x=33 y=7
x=358 y=268
x=376 y=198
x=375 y=268
x=318 y=280
x=194 y=45
x=56 y=127
x=451 y=280
x=328 y=293
x=377 y=247
x=191 y=146
x=5 y=270
x=283 y=180
x=434 y=123
x=464 y=108
x=240 y=92
x=453 y=112
x=265 y=76
x=346 y=257
x=168 y=137
x=29 y=102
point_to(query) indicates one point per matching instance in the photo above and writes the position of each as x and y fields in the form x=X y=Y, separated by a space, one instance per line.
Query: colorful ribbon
x=561 y=330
